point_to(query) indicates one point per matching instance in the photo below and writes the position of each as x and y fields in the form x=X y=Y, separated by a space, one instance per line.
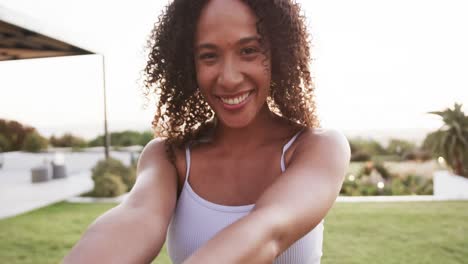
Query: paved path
x=17 y=193
x=26 y=197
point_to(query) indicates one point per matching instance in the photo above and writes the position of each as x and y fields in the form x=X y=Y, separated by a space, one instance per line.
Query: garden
x=413 y=232
x=364 y=232
x=404 y=168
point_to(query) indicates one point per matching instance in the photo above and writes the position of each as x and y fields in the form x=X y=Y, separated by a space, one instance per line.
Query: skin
x=234 y=168
x=288 y=205
x=229 y=61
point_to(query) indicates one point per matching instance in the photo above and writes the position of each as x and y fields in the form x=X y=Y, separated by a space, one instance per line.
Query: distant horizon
x=382 y=135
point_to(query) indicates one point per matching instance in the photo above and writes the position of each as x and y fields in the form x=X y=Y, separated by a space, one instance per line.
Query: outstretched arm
x=289 y=208
x=134 y=231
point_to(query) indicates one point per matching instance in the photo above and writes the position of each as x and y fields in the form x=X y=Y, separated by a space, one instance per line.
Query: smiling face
x=232 y=72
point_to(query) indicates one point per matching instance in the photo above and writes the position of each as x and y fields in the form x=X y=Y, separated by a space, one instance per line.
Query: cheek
x=263 y=76
x=204 y=78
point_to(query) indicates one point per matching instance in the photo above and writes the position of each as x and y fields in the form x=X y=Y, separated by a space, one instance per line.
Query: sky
x=378 y=66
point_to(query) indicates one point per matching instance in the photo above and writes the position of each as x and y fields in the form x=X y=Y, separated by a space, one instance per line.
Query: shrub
x=14 y=134
x=4 y=143
x=371 y=173
x=124 y=139
x=360 y=156
x=109 y=185
x=400 y=147
x=398 y=188
x=34 y=142
x=130 y=180
x=96 y=142
x=417 y=155
x=350 y=188
x=367 y=169
x=384 y=158
x=417 y=185
x=111 y=165
x=68 y=140
x=382 y=170
x=145 y=137
x=368 y=189
x=368 y=146
x=116 y=167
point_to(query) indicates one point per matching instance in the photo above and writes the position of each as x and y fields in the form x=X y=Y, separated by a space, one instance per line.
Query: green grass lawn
x=425 y=232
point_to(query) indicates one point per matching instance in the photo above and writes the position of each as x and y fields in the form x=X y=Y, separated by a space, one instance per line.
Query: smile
x=235 y=100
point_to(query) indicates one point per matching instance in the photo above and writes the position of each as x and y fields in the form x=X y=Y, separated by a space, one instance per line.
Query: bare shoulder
x=328 y=147
x=156 y=177
x=324 y=138
x=323 y=141
x=153 y=153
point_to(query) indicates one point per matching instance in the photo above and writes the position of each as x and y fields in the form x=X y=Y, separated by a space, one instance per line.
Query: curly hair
x=182 y=113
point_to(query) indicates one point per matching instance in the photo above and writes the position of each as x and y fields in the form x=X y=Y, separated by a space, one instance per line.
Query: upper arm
x=302 y=196
x=155 y=190
x=137 y=227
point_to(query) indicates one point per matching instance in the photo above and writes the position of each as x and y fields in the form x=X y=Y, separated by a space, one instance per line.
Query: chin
x=235 y=122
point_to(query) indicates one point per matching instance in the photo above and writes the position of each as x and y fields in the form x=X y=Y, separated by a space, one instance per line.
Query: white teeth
x=236 y=100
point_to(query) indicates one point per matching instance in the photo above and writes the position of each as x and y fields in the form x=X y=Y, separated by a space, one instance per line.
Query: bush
x=368 y=146
x=14 y=134
x=34 y=142
x=116 y=167
x=384 y=158
x=367 y=169
x=124 y=139
x=145 y=137
x=113 y=166
x=68 y=140
x=109 y=185
x=400 y=147
x=130 y=180
x=417 y=155
x=360 y=156
x=96 y=142
x=4 y=143
x=371 y=173
x=417 y=184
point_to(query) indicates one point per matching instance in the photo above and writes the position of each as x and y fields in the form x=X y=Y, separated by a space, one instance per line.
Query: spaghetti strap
x=187 y=162
x=286 y=147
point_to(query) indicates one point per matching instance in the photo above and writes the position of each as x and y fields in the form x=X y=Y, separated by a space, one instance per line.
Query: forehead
x=227 y=20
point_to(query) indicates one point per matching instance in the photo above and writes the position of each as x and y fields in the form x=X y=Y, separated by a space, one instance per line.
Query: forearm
x=243 y=242
x=121 y=235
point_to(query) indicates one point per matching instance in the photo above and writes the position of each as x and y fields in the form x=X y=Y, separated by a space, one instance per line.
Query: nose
x=230 y=74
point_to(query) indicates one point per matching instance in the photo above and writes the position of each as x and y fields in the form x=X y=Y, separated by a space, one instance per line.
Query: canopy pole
x=106 y=134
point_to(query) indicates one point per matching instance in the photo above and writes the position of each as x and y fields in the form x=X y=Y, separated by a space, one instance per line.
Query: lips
x=235 y=101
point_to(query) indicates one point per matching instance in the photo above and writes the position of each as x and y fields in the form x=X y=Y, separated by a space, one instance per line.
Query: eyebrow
x=241 y=41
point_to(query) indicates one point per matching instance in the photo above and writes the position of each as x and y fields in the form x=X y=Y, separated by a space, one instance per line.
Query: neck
x=245 y=138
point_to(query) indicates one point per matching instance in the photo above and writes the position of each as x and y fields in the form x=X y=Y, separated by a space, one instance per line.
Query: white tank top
x=196 y=220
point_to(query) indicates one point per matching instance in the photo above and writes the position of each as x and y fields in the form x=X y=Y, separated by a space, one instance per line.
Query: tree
x=400 y=147
x=368 y=146
x=13 y=134
x=67 y=140
x=34 y=142
x=453 y=139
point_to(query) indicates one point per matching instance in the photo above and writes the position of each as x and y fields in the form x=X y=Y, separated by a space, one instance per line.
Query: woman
x=244 y=174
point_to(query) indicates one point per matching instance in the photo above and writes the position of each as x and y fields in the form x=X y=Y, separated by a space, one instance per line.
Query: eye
x=249 y=51
x=207 y=56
